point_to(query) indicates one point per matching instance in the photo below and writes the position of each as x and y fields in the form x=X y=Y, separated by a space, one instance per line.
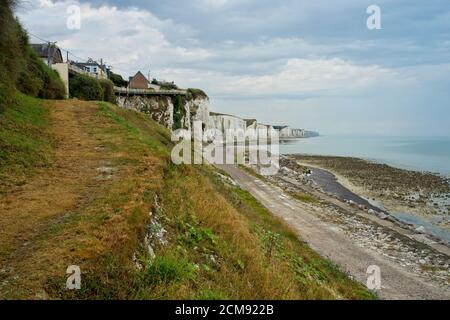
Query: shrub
x=108 y=91
x=38 y=80
x=118 y=80
x=196 y=93
x=178 y=112
x=20 y=68
x=85 y=88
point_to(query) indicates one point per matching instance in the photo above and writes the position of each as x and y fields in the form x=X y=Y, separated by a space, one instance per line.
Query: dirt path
x=329 y=241
x=53 y=193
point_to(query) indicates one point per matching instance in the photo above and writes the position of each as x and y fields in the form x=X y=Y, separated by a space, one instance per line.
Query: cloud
x=307 y=77
x=129 y=39
x=308 y=62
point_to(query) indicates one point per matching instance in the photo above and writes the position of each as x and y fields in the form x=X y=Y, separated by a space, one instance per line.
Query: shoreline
x=420 y=154
x=369 y=233
x=336 y=176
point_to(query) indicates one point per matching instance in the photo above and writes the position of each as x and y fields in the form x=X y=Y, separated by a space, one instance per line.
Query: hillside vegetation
x=88 y=89
x=98 y=189
x=20 y=68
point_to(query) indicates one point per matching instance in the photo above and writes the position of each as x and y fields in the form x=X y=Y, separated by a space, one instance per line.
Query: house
x=49 y=53
x=95 y=69
x=139 y=81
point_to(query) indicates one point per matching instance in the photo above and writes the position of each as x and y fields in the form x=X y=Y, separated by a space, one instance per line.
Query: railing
x=148 y=91
x=78 y=70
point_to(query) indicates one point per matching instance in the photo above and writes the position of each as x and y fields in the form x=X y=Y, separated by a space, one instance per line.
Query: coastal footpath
x=350 y=231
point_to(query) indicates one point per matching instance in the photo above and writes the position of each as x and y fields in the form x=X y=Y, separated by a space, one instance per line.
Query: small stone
x=420 y=229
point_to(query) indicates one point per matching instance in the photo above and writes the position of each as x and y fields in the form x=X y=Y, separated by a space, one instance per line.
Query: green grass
x=137 y=127
x=20 y=68
x=305 y=197
x=24 y=144
x=165 y=269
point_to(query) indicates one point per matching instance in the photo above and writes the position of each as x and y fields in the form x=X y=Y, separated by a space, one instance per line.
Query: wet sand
x=329 y=184
x=356 y=180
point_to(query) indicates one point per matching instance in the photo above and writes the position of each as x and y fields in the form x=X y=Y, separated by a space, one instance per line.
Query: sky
x=304 y=63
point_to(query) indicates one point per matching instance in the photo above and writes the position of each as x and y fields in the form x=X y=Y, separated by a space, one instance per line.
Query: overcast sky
x=306 y=63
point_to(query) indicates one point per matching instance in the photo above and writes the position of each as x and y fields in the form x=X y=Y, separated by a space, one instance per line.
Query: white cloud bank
x=128 y=39
x=284 y=80
x=133 y=39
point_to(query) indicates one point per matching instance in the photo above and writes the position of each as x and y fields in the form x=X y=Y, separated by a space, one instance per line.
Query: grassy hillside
x=20 y=68
x=92 y=185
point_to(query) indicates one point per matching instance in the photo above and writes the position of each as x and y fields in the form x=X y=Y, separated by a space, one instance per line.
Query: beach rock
x=420 y=229
x=381 y=215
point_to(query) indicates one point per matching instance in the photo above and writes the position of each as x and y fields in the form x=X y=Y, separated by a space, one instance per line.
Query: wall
x=63 y=71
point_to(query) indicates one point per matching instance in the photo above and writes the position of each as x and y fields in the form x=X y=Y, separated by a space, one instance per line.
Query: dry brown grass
x=248 y=264
x=69 y=213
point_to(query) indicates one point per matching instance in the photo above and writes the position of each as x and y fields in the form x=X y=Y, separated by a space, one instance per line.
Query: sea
x=418 y=153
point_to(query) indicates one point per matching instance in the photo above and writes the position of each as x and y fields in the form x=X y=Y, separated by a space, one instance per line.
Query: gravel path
x=329 y=240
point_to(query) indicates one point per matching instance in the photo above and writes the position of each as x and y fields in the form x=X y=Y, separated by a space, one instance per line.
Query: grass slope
x=109 y=191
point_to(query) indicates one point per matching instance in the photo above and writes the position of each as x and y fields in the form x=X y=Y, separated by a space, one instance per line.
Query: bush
x=20 y=68
x=44 y=82
x=178 y=112
x=85 y=88
x=108 y=91
x=196 y=93
x=118 y=80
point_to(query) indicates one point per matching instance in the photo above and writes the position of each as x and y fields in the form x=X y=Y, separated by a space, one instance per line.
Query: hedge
x=87 y=88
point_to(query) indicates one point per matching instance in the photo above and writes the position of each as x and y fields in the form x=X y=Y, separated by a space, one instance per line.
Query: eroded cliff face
x=169 y=110
x=198 y=109
x=224 y=122
x=159 y=108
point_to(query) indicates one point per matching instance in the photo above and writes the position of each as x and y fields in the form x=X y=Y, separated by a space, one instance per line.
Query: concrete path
x=330 y=241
